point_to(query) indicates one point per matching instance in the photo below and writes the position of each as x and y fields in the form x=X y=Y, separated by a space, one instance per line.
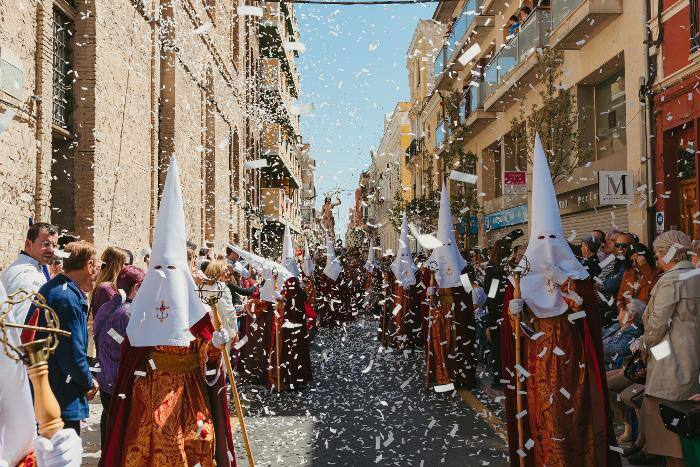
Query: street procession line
x=496 y=424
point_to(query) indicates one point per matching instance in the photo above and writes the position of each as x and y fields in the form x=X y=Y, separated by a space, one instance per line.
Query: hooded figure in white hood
x=289 y=260
x=172 y=359
x=308 y=265
x=567 y=401
x=333 y=267
x=450 y=354
x=407 y=321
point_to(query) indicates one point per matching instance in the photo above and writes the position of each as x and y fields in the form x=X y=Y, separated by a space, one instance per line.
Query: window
x=610 y=116
x=62 y=66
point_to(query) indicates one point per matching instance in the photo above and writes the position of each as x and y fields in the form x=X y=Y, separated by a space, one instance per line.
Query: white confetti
x=115 y=335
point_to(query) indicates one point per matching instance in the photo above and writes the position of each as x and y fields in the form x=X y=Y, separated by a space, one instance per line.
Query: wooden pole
x=278 y=341
x=234 y=390
x=518 y=360
x=430 y=325
x=46 y=409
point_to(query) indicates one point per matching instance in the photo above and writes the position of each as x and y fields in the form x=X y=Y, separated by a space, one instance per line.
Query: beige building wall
x=107 y=160
x=618 y=44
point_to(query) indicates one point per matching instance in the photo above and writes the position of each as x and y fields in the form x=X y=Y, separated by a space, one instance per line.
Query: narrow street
x=367 y=408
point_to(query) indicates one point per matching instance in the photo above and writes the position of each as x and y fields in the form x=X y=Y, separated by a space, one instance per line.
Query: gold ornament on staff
x=211 y=298
x=35 y=355
x=518 y=270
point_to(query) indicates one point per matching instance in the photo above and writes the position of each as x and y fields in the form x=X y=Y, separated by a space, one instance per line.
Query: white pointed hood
x=167 y=304
x=268 y=269
x=289 y=261
x=403 y=266
x=333 y=266
x=308 y=265
x=371 y=262
x=548 y=254
x=446 y=261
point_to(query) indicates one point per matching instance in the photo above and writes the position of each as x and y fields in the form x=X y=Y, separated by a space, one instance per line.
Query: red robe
x=136 y=358
x=589 y=436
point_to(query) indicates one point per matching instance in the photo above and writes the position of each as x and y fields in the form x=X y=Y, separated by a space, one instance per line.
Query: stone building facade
x=102 y=93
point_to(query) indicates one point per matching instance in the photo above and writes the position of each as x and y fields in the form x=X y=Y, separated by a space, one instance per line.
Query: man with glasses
x=618 y=244
x=29 y=272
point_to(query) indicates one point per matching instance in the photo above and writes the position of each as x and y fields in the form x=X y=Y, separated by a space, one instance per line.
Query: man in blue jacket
x=69 y=371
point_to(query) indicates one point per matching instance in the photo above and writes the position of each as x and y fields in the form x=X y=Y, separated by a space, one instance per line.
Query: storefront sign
x=513 y=216
x=514 y=183
x=582 y=199
x=615 y=187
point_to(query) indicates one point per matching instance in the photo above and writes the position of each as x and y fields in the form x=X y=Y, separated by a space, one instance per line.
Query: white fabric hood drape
x=308 y=265
x=548 y=254
x=167 y=304
x=333 y=266
x=403 y=266
x=446 y=261
x=268 y=269
x=289 y=261
x=371 y=262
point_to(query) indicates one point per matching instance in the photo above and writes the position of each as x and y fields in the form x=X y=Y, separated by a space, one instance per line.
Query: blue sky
x=354 y=72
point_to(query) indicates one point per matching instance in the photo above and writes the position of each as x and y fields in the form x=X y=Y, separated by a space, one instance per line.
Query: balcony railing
x=561 y=9
x=459 y=28
x=441 y=134
x=415 y=148
x=533 y=34
x=472 y=100
x=440 y=61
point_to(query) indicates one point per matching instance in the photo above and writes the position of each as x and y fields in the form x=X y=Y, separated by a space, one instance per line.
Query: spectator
x=218 y=275
x=671 y=342
x=695 y=253
x=475 y=260
x=69 y=372
x=589 y=254
x=28 y=271
x=524 y=13
x=479 y=305
x=234 y=259
x=113 y=260
x=494 y=286
x=638 y=280
x=109 y=329
x=513 y=25
x=612 y=272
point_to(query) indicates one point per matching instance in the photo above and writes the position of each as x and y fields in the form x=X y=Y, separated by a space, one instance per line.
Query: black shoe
x=631 y=451
x=642 y=458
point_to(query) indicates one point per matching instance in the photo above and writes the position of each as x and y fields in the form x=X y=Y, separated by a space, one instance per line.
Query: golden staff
x=35 y=355
x=518 y=361
x=212 y=298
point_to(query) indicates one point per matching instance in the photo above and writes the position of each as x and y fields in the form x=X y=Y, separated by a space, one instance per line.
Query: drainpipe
x=646 y=98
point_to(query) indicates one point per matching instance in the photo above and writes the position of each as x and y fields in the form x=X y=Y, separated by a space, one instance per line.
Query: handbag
x=636 y=369
x=681 y=417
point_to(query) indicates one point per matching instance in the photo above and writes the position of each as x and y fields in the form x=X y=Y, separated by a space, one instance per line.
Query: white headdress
x=333 y=266
x=548 y=255
x=308 y=265
x=446 y=261
x=403 y=266
x=289 y=261
x=371 y=262
x=167 y=304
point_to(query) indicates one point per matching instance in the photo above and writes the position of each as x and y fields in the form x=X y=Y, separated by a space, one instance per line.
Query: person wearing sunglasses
x=610 y=278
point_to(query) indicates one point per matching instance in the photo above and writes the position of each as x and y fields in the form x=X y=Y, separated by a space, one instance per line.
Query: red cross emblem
x=162 y=311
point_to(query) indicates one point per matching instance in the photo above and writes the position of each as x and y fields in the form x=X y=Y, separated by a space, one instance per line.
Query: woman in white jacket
x=219 y=272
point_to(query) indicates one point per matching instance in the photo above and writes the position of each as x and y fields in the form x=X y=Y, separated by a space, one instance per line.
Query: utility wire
x=360 y=2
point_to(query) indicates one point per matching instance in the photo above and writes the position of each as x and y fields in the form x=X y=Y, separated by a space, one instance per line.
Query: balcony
x=277 y=30
x=473 y=115
x=468 y=20
x=281 y=155
x=441 y=135
x=276 y=94
x=277 y=207
x=512 y=70
x=575 y=22
x=416 y=147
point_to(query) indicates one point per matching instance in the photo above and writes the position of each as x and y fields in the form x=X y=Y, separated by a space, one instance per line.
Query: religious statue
x=327 y=219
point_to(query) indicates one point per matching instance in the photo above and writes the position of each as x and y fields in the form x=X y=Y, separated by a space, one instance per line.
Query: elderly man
x=671 y=342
